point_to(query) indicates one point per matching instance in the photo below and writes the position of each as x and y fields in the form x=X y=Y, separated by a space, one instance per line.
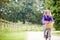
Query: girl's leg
x=50 y=34
x=44 y=30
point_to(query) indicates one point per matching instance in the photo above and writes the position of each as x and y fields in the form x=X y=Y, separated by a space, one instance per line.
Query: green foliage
x=54 y=6
x=21 y=10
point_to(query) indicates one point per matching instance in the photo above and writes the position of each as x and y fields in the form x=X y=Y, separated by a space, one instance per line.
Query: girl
x=47 y=18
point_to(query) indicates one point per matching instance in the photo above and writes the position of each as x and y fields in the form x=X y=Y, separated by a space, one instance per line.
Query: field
x=12 y=36
x=17 y=31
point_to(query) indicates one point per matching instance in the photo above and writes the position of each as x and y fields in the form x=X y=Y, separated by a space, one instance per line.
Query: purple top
x=47 y=18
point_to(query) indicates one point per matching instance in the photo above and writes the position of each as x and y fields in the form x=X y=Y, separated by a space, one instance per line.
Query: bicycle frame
x=47 y=34
x=48 y=25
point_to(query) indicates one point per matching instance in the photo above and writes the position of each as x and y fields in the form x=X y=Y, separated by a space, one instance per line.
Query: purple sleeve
x=43 y=19
x=52 y=19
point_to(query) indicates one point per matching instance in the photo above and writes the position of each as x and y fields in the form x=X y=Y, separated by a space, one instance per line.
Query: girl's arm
x=52 y=20
x=43 y=21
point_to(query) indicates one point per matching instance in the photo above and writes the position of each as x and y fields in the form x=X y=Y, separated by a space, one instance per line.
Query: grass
x=12 y=36
x=17 y=31
x=21 y=27
x=56 y=33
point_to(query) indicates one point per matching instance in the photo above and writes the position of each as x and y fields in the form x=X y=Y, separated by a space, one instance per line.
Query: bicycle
x=48 y=30
x=47 y=34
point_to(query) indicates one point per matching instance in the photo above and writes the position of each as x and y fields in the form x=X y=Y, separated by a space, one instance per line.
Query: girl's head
x=47 y=13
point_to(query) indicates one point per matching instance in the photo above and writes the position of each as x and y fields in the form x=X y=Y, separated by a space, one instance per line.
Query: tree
x=54 y=6
x=22 y=10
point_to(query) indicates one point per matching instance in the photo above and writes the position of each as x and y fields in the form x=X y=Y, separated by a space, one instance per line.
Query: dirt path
x=39 y=36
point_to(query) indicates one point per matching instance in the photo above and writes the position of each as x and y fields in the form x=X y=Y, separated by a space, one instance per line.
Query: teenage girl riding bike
x=47 y=21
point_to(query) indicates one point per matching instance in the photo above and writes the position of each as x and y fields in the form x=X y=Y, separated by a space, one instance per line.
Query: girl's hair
x=46 y=11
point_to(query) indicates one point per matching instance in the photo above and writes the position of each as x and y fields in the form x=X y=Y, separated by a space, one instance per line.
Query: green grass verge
x=56 y=33
x=12 y=36
x=9 y=29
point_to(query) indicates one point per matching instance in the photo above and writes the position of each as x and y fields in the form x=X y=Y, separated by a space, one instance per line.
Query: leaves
x=54 y=6
x=22 y=10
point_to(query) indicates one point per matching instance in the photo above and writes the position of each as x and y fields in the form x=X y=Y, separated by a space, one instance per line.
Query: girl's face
x=47 y=13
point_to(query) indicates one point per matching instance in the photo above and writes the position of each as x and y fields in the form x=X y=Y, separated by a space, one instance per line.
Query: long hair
x=46 y=11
